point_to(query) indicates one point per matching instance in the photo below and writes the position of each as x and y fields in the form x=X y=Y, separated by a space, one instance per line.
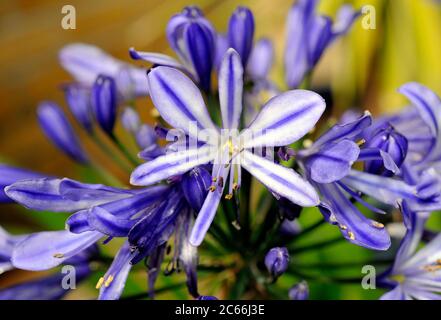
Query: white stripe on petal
x=281 y=180
x=284 y=119
x=171 y=164
x=230 y=89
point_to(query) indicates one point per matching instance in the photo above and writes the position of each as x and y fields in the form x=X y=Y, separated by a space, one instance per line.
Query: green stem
x=124 y=150
x=317 y=246
x=309 y=229
x=95 y=138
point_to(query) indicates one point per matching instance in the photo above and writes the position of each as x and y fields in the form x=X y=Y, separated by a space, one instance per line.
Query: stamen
x=99 y=283
x=343 y=227
x=214 y=179
x=108 y=281
x=351 y=235
x=377 y=225
x=236 y=225
x=58 y=255
x=212 y=188
x=307 y=143
x=361 y=142
x=235 y=186
x=229 y=196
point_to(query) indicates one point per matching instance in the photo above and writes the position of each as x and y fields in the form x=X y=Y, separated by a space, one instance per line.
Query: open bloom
x=415 y=274
x=283 y=120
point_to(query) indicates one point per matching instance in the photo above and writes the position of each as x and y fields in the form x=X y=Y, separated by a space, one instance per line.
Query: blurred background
x=363 y=69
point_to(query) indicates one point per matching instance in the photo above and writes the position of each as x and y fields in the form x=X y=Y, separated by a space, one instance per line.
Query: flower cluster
x=217 y=143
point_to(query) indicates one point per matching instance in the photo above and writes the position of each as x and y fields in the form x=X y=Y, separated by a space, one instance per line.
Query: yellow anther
x=351 y=235
x=108 y=281
x=235 y=186
x=214 y=179
x=361 y=142
x=377 y=225
x=307 y=143
x=236 y=224
x=212 y=188
x=58 y=255
x=343 y=227
x=99 y=283
x=229 y=196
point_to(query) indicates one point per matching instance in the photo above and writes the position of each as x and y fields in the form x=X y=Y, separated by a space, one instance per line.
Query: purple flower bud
x=276 y=261
x=391 y=142
x=207 y=298
x=241 y=32
x=79 y=101
x=192 y=37
x=10 y=175
x=130 y=120
x=104 y=99
x=57 y=128
x=290 y=228
x=195 y=184
x=299 y=292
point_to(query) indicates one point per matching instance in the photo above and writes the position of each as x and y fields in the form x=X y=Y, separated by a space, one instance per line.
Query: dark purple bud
x=288 y=209
x=241 y=32
x=192 y=37
x=276 y=261
x=299 y=292
x=390 y=141
x=79 y=101
x=10 y=175
x=104 y=99
x=195 y=185
x=57 y=128
x=207 y=298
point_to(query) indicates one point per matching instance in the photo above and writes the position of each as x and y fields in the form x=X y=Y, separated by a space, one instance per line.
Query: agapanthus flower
x=308 y=35
x=192 y=37
x=283 y=120
x=328 y=164
x=415 y=274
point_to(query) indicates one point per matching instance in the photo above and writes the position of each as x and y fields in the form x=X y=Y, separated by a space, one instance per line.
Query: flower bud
x=104 y=100
x=241 y=32
x=195 y=184
x=57 y=128
x=192 y=37
x=299 y=292
x=79 y=102
x=276 y=261
x=390 y=141
x=207 y=298
x=10 y=175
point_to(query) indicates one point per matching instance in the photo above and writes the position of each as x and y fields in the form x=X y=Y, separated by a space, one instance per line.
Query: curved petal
x=427 y=103
x=169 y=165
x=178 y=100
x=45 y=250
x=281 y=180
x=355 y=227
x=386 y=190
x=112 y=284
x=332 y=162
x=284 y=119
x=230 y=89
x=155 y=58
